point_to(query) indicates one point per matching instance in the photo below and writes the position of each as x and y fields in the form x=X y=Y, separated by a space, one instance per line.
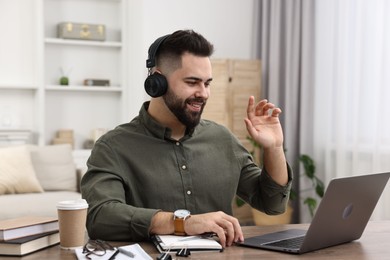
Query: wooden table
x=374 y=244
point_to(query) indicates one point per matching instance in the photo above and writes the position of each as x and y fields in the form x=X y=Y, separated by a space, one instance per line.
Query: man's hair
x=182 y=41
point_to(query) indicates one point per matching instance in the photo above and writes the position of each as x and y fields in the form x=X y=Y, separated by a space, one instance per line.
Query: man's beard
x=179 y=108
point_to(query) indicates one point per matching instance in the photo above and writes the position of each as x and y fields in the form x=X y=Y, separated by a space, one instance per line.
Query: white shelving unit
x=38 y=103
x=78 y=107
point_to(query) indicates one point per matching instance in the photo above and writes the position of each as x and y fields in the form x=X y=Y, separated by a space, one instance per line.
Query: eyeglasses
x=96 y=247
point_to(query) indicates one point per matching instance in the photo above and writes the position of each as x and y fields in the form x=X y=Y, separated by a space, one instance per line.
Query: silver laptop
x=341 y=217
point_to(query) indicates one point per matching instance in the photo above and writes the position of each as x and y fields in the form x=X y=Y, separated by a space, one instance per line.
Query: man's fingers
x=250 y=128
x=250 y=110
x=255 y=110
x=262 y=107
x=229 y=231
x=236 y=232
x=233 y=230
x=276 y=112
x=221 y=235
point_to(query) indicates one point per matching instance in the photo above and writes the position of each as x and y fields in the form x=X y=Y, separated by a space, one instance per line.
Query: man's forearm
x=162 y=223
x=275 y=164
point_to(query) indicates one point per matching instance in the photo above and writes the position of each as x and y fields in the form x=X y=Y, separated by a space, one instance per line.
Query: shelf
x=17 y=87
x=84 y=88
x=83 y=42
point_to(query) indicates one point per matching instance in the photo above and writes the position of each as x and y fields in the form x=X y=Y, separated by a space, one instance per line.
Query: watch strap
x=179 y=226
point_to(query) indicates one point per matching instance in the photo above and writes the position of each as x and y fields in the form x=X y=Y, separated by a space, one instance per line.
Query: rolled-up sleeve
x=262 y=192
x=275 y=197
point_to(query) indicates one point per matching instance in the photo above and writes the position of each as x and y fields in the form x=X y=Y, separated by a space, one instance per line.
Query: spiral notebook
x=194 y=243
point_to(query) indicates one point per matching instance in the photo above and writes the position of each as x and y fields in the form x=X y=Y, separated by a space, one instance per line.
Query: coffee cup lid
x=72 y=204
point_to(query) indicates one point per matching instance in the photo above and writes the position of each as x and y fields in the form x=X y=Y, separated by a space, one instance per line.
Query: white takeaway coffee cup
x=72 y=216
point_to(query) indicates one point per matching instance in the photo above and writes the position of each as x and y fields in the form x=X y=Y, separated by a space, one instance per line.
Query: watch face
x=182 y=213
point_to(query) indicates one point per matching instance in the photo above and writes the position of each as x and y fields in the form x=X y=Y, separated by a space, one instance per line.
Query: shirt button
x=189 y=192
x=184 y=167
x=177 y=143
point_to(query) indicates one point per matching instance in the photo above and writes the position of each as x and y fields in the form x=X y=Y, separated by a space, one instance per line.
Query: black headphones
x=156 y=84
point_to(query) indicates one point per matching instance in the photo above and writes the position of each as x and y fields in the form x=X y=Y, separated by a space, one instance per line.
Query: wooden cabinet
x=234 y=81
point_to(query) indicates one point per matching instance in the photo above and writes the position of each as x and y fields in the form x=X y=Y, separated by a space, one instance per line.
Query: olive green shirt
x=137 y=170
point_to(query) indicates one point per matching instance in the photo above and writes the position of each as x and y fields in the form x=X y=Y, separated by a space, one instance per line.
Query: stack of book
x=21 y=236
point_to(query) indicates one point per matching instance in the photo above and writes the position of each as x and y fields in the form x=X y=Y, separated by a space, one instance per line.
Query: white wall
x=228 y=24
x=17 y=56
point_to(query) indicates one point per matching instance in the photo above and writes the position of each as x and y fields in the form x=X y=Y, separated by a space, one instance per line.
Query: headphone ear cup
x=156 y=85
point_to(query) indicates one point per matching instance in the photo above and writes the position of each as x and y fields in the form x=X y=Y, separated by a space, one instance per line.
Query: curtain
x=352 y=90
x=286 y=51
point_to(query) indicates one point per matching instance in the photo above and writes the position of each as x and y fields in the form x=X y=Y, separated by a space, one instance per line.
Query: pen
x=126 y=252
x=114 y=254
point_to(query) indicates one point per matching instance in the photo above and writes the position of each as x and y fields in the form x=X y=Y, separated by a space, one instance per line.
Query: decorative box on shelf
x=64 y=136
x=81 y=31
x=97 y=82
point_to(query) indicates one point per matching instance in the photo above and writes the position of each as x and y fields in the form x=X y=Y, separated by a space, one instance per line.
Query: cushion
x=17 y=173
x=34 y=204
x=55 y=167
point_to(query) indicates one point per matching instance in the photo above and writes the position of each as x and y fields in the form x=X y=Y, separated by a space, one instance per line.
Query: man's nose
x=202 y=91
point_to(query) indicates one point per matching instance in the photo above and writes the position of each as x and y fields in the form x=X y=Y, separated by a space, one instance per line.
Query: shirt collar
x=155 y=128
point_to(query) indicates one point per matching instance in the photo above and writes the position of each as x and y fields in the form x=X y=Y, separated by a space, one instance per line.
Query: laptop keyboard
x=294 y=242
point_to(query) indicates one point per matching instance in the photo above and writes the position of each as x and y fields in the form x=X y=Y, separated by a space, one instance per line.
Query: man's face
x=189 y=89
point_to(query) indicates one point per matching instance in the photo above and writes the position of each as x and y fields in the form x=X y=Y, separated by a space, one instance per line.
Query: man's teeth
x=197 y=105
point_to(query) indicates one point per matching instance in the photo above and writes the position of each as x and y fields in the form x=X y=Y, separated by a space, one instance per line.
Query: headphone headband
x=151 y=61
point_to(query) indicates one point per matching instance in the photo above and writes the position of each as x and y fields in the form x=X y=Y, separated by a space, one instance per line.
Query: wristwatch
x=179 y=216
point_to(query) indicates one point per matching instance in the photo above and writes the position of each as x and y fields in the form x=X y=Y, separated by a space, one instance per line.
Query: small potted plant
x=64 y=79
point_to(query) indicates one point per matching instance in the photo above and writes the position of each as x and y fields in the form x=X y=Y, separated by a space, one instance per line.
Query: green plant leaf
x=312 y=204
x=308 y=165
x=239 y=202
x=293 y=194
x=320 y=188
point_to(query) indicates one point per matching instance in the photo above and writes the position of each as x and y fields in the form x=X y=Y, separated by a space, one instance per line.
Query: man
x=168 y=158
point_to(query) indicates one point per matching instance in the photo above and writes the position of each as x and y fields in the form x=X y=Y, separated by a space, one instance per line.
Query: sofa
x=33 y=179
